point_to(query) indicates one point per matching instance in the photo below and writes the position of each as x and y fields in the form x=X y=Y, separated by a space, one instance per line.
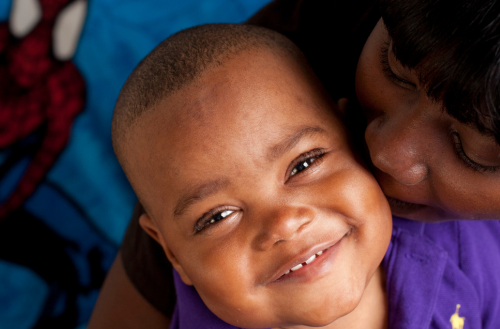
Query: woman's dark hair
x=454 y=45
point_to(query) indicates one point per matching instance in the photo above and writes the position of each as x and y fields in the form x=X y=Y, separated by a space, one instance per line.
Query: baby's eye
x=211 y=217
x=305 y=161
x=301 y=166
x=220 y=215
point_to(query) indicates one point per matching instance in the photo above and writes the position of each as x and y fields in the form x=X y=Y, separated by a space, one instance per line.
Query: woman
x=426 y=77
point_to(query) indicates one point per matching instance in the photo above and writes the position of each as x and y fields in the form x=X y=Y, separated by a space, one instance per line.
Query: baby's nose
x=283 y=224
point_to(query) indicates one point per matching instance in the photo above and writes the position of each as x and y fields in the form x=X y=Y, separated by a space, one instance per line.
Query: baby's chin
x=319 y=316
x=321 y=321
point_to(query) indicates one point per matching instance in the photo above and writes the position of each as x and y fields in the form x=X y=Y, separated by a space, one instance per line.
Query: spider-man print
x=39 y=95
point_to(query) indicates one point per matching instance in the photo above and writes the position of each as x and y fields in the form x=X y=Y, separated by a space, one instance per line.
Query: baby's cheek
x=221 y=276
x=360 y=194
x=370 y=212
x=235 y=306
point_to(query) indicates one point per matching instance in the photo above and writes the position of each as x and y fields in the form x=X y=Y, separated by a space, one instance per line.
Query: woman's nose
x=398 y=149
x=282 y=224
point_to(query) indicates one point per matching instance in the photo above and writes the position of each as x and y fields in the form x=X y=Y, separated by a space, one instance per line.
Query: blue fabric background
x=85 y=202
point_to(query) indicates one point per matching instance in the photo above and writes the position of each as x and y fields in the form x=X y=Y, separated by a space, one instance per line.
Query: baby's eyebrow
x=198 y=193
x=277 y=150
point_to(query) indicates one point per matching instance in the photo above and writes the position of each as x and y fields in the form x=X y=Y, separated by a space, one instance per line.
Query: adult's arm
x=120 y=305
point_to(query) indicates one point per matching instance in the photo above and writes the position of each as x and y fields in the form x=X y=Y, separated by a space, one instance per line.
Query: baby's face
x=248 y=176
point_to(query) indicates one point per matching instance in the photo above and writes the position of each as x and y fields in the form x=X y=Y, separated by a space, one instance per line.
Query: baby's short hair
x=179 y=60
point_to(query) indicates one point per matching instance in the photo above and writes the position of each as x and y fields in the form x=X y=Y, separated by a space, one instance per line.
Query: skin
x=230 y=142
x=414 y=147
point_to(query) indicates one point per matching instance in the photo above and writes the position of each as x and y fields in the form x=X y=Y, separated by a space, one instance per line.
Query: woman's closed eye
x=389 y=73
x=304 y=162
x=459 y=150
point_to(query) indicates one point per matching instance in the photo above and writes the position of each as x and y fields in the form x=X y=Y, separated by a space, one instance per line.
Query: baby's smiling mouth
x=307 y=262
x=300 y=268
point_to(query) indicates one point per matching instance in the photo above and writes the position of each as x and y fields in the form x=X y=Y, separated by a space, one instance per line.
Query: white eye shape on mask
x=26 y=14
x=68 y=28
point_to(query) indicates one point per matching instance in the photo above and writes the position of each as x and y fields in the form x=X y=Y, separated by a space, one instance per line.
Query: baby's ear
x=150 y=227
x=152 y=230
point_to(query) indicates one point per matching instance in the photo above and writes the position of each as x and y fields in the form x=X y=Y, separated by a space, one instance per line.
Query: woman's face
x=430 y=166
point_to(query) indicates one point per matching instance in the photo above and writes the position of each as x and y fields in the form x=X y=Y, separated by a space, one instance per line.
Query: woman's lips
x=400 y=207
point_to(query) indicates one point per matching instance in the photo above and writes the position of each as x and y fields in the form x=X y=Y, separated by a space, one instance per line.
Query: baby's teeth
x=309 y=261
x=313 y=257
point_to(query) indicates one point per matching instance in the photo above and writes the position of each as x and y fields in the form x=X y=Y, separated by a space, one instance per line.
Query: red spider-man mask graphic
x=39 y=95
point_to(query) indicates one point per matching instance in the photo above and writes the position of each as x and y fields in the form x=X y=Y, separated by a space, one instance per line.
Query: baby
x=250 y=184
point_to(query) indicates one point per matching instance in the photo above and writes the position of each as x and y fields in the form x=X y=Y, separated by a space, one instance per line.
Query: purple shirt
x=430 y=269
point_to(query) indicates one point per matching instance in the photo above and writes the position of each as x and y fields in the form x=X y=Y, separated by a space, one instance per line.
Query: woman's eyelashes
x=459 y=150
x=388 y=72
x=304 y=162
x=212 y=217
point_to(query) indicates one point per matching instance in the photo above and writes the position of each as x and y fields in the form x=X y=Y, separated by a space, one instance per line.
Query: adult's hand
x=120 y=305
